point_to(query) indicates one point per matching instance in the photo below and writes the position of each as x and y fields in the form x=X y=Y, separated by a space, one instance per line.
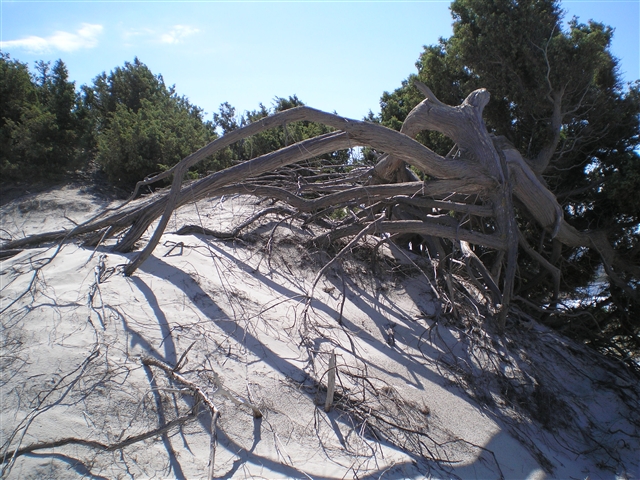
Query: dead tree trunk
x=478 y=181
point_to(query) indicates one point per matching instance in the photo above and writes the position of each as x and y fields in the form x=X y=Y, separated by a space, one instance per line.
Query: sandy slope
x=445 y=400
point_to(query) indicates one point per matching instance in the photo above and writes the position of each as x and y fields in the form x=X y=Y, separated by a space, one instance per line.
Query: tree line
x=556 y=97
x=128 y=123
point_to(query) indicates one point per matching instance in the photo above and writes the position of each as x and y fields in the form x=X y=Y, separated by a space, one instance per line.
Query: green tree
x=140 y=126
x=151 y=140
x=40 y=127
x=557 y=97
x=59 y=98
x=17 y=95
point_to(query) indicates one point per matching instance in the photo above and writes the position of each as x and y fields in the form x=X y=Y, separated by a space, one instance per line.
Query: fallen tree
x=466 y=206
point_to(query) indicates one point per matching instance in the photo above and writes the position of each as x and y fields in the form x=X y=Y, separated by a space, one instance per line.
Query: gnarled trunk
x=467 y=199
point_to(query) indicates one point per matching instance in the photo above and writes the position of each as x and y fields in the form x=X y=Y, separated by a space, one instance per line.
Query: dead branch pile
x=465 y=206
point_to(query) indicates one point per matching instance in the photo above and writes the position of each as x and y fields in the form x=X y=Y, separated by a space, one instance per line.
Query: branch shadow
x=409 y=333
x=74 y=463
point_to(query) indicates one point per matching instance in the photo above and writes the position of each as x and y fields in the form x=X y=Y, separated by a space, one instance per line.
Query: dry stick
x=344 y=297
x=200 y=396
x=214 y=442
x=360 y=193
x=173 y=246
x=104 y=235
x=198 y=392
x=172 y=200
x=63 y=388
x=423 y=227
x=508 y=226
x=362 y=411
x=470 y=256
x=400 y=250
x=480 y=210
x=99 y=445
x=350 y=245
x=33 y=279
x=9 y=253
x=182 y=357
x=331 y=382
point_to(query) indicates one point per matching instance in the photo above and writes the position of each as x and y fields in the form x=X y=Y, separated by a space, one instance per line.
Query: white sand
x=73 y=369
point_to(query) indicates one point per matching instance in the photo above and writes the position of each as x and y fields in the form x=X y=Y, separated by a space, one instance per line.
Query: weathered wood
x=427 y=228
x=331 y=382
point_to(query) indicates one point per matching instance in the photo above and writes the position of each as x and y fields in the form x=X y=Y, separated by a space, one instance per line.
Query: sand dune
x=419 y=393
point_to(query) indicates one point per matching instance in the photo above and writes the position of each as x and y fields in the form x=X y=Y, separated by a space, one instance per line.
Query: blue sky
x=335 y=55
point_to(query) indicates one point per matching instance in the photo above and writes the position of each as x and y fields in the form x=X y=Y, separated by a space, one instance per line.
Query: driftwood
x=467 y=198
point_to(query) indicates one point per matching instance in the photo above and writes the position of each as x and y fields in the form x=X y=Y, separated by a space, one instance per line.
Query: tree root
x=480 y=182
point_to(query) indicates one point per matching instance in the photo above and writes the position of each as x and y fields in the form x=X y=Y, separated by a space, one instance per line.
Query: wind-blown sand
x=443 y=399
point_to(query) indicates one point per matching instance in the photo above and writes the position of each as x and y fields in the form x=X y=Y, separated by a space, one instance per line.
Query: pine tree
x=140 y=126
x=40 y=123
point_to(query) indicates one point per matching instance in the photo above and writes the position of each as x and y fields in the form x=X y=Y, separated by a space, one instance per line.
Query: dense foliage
x=42 y=125
x=129 y=122
x=142 y=127
x=557 y=96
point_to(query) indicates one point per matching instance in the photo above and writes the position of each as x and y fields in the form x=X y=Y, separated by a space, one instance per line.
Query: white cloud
x=178 y=33
x=143 y=32
x=131 y=36
x=85 y=37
